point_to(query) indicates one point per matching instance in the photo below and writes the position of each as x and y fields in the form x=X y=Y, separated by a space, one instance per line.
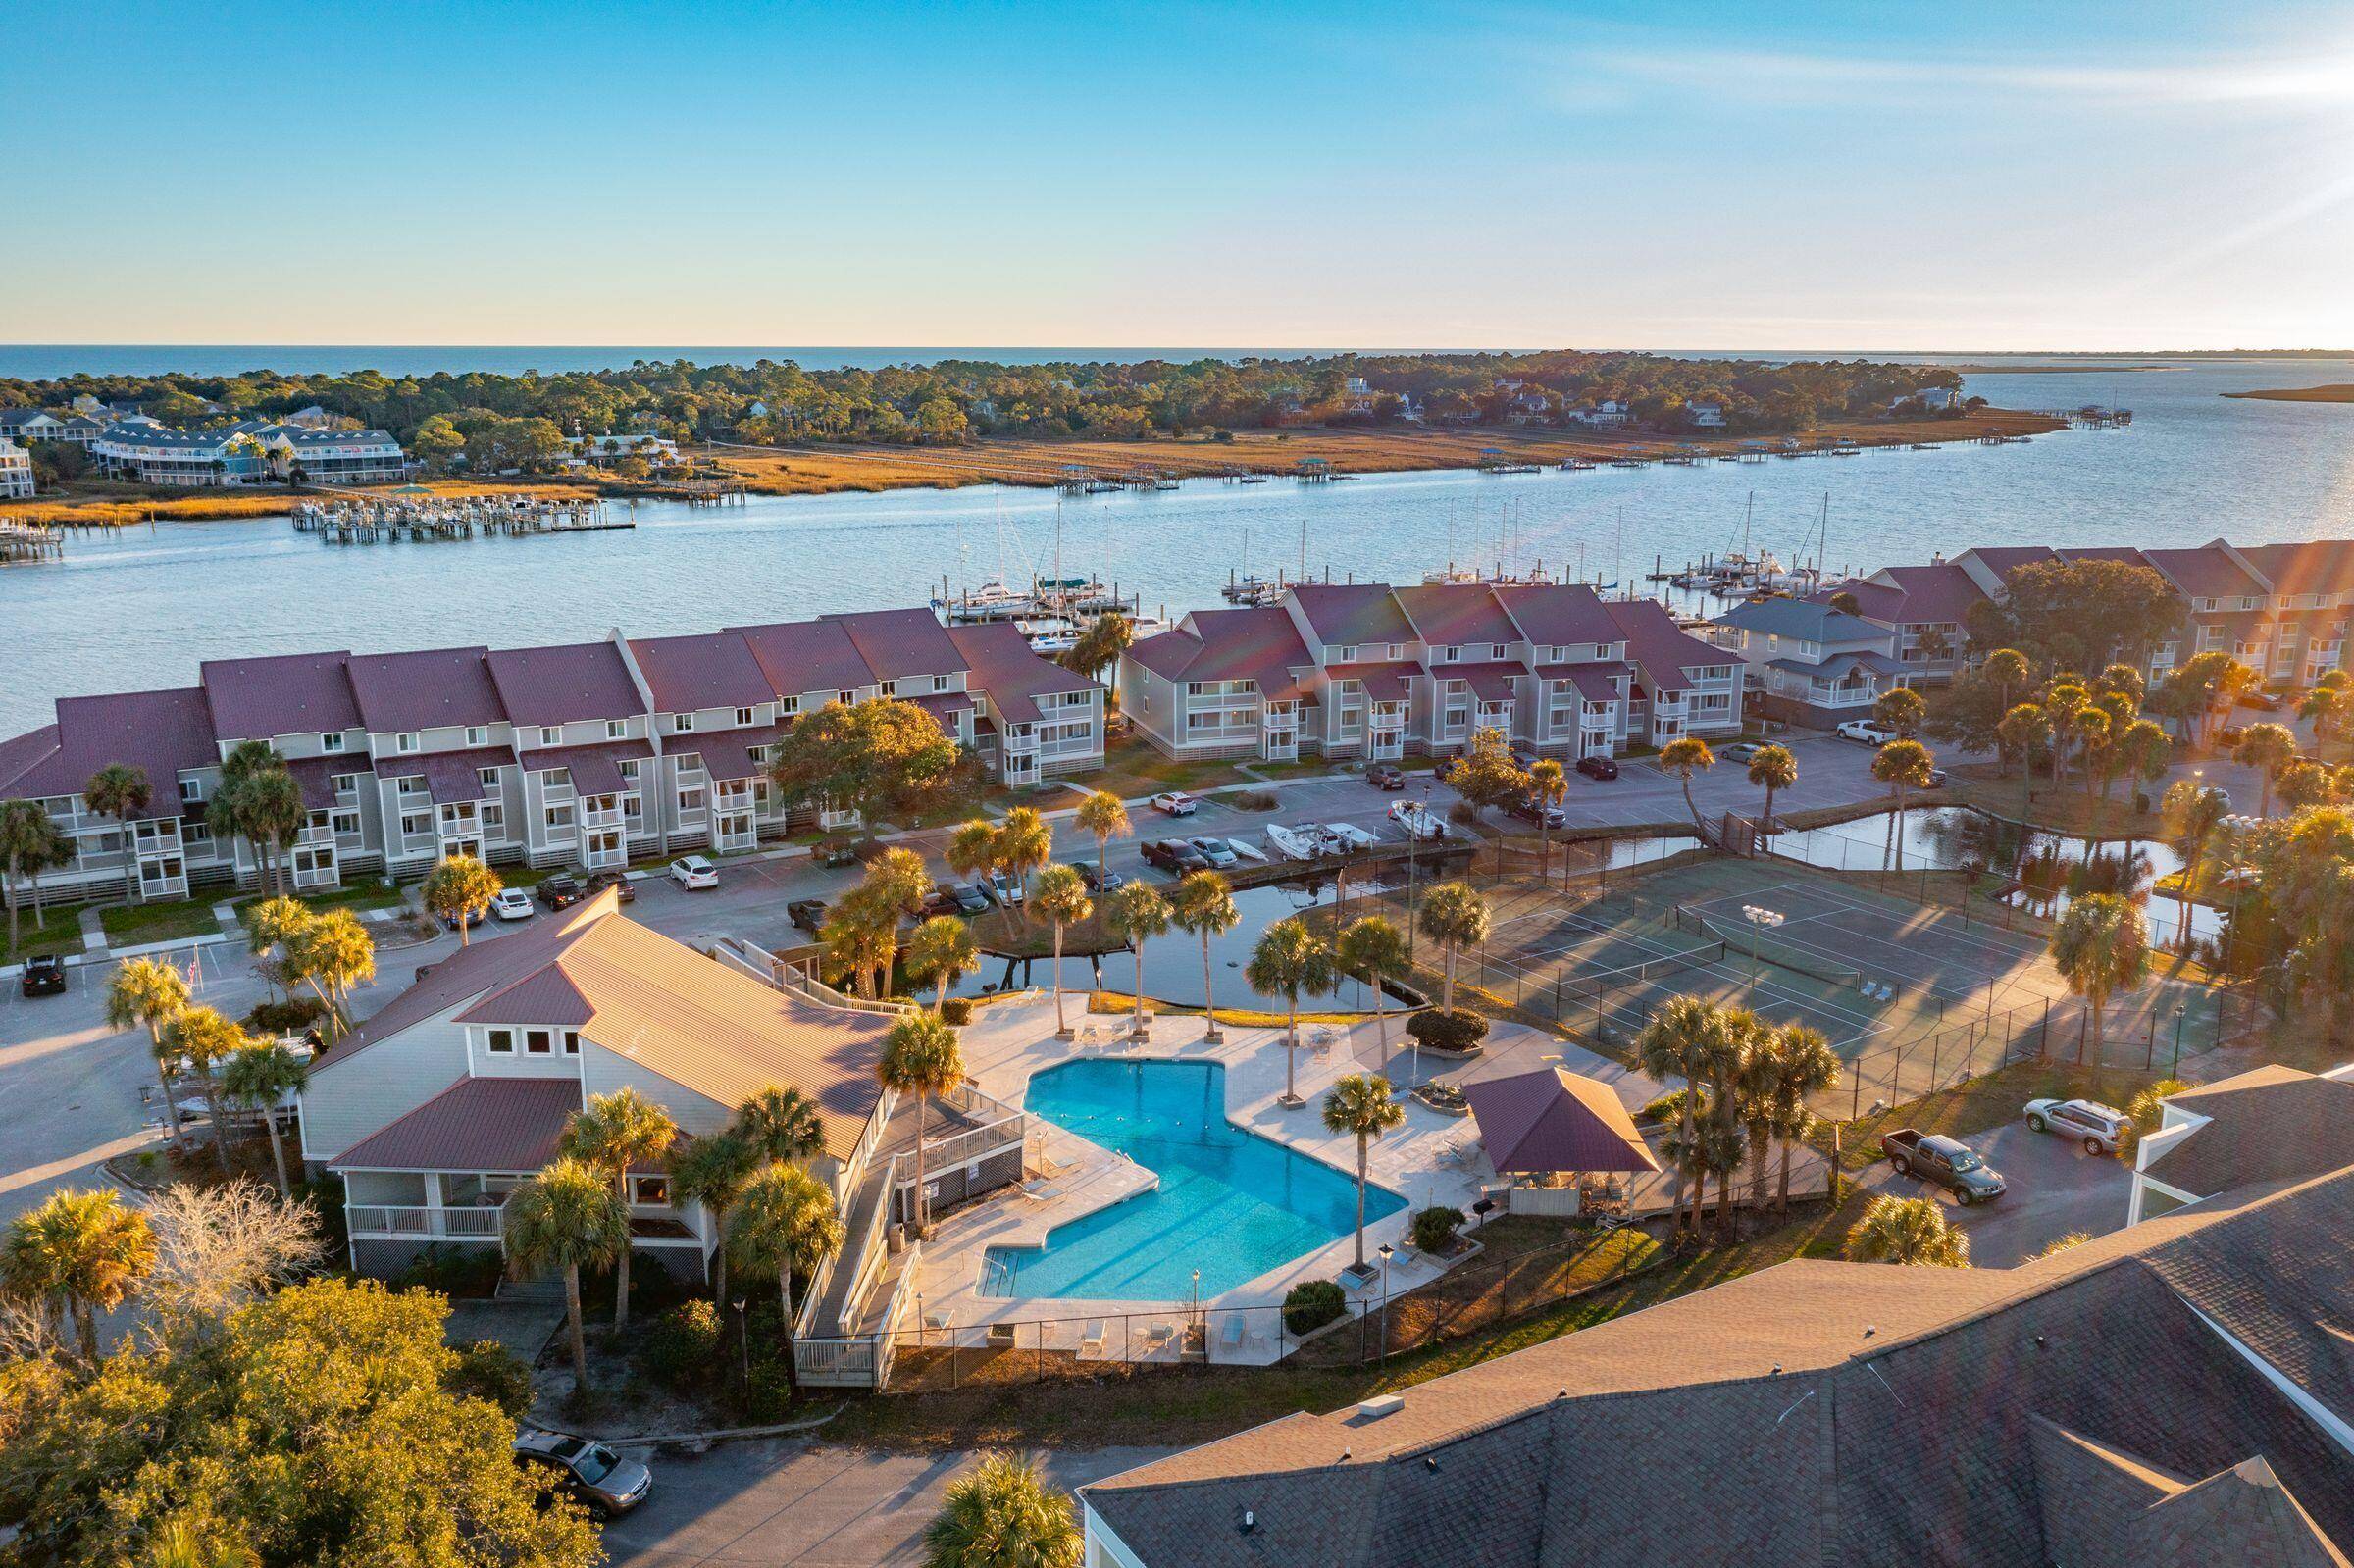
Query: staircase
x=865 y=1217
x=548 y=1290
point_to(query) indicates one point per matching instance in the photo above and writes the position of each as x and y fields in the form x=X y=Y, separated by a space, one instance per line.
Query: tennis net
x=1792 y=956
x=1595 y=982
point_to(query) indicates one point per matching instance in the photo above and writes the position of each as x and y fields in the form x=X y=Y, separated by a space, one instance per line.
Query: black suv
x=1530 y=810
x=561 y=892
x=599 y=881
x=1385 y=776
x=44 y=976
x=1101 y=880
x=956 y=898
x=1598 y=767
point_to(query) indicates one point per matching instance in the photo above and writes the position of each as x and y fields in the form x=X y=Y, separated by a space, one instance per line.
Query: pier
x=26 y=543
x=395 y=521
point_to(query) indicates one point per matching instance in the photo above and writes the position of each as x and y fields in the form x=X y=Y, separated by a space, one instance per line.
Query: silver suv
x=2090 y=1123
x=598 y=1477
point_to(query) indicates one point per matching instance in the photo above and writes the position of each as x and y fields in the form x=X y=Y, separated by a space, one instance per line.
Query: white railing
x=468 y=1224
x=976 y=1143
x=600 y=816
x=859 y=1361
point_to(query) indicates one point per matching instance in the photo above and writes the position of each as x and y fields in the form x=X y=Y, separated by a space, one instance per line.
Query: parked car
x=2090 y=1123
x=836 y=852
x=2264 y=701
x=2229 y=736
x=468 y=918
x=1536 y=811
x=1174 y=803
x=1740 y=751
x=1524 y=755
x=512 y=903
x=692 y=872
x=560 y=891
x=1867 y=731
x=1216 y=851
x=1174 y=856
x=1385 y=776
x=1948 y=1162
x=1419 y=820
x=44 y=976
x=956 y=898
x=1003 y=890
x=1100 y=880
x=599 y=881
x=1939 y=778
x=1598 y=767
x=809 y=914
x=1444 y=769
x=602 y=1480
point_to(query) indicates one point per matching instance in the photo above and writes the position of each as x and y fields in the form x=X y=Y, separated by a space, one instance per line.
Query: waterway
x=143 y=607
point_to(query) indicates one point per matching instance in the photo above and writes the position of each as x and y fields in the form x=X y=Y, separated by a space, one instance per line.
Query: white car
x=512 y=903
x=1419 y=820
x=1174 y=802
x=693 y=871
x=2090 y=1123
x=1867 y=731
x=1349 y=835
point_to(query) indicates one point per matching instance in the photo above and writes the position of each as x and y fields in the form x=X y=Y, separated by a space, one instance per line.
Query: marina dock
x=28 y=543
x=395 y=521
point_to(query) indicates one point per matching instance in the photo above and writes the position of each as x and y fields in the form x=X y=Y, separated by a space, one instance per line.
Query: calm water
x=1230 y=1204
x=143 y=607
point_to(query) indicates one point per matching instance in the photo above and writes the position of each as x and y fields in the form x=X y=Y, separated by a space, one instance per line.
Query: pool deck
x=1009 y=1041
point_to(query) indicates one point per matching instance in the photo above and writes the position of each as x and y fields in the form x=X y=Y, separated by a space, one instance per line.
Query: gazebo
x=1552 y=1122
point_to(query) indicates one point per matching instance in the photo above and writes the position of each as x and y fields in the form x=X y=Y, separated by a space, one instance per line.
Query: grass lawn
x=1133 y=767
x=137 y=924
x=367 y=893
x=1303 y=768
x=59 y=931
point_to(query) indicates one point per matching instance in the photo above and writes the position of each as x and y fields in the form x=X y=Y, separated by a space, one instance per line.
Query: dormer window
x=617 y=729
x=489 y=777
x=788 y=706
x=890 y=688
x=846 y=698
x=744 y=717
x=538 y=1043
x=499 y=1042
x=331 y=740
x=408 y=742
x=1495 y=650
x=681 y=723
x=478 y=734
x=1344 y=655
x=551 y=735
x=940 y=683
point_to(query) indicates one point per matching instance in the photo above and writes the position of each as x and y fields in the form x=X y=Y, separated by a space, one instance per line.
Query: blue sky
x=1892 y=175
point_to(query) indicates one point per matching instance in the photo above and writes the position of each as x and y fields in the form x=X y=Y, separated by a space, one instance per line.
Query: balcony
x=1283 y=719
x=481 y=1223
x=601 y=817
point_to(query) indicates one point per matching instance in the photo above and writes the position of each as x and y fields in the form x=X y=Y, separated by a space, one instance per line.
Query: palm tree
x=779 y=1124
x=2023 y=732
x=1135 y=914
x=940 y=951
x=274 y=815
x=119 y=791
x=1374 y=949
x=31 y=842
x=1360 y=1104
x=1458 y=916
x=1907 y=1230
x=1204 y=905
x=1719 y=1151
x=461 y=888
x=711 y=1171
x=1004 y=1515
x=973 y=849
x=2330 y=708
x=565 y=1217
x=785 y=1225
x=1024 y=844
x=2061 y=702
x=147 y=994
x=1687 y=1038
x=207 y=1040
x=1684 y=757
x=616 y=1134
x=1062 y=899
x=258 y=1078
x=1290 y=961
x=270 y=927
x=1548 y=788
x=334 y=953
x=897 y=878
x=2101 y=946
x=2096 y=731
x=1753 y=1094
x=2266 y=747
x=1772 y=769
x=1103 y=815
x=84 y=1251
x=1806 y=1067
x=2008 y=669
x=1901 y=765
x=920 y=1057
x=861 y=938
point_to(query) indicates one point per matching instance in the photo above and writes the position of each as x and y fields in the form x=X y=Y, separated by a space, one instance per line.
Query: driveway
x=2052 y=1188
x=776 y=1503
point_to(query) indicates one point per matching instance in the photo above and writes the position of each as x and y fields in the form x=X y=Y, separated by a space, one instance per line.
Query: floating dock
x=395 y=521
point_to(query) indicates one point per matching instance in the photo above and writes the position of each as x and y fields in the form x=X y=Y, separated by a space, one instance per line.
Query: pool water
x=1230 y=1204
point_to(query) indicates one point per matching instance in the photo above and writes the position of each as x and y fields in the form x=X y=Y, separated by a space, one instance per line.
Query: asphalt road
x=2052 y=1188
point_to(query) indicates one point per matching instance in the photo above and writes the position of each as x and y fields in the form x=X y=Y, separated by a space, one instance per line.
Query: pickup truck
x=1945 y=1161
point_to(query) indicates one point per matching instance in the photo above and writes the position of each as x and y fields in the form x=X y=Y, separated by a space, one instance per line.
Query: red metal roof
x=1002 y=666
x=1559 y=616
x=477 y=1123
x=566 y=683
x=899 y=643
x=441 y=688
x=1553 y=1120
x=1454 y=613
x=162 y=733
x=1490 y=682
x=283 y=695
x=595 y=770
x=715 y=670
x=453 y=778
x=1384 y=681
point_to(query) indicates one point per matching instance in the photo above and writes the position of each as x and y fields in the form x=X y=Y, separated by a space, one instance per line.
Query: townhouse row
x=587 y=754
x=1375 y=671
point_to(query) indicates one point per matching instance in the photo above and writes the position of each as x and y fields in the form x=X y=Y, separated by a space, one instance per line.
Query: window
x=346 y=824
x=890 y=688
x=616 y=728
x=651 y=1192
x=845 y=699
x=551 y=735
x=197 y=832
x=1450 y=655
x=940 y=683
x=1495 y=650
x=478 y=734
x=538 y=1043
x=743 y=716
x=500 y=1042
x=681 y=723
x=346 y=783
x=559 y=816
x=571 y=1042
x=407 y=741
x=1344 y=655
x=495 y=820
x=332 y=741
x=788 y=706
x=416 y=823
x=489 y=777
x=192 y=790
x=691 y=801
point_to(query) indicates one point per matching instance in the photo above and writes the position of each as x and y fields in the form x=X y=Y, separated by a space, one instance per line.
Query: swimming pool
x=1230 y=1204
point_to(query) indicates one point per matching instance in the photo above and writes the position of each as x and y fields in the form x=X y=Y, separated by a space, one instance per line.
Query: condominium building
x=1370 y=671
x=28 y=425
x=1809 y=663
x=248 y=452
x=16 y=472
x=588 y=754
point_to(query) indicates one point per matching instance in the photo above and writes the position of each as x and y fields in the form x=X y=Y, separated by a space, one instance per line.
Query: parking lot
x=2052 y=1188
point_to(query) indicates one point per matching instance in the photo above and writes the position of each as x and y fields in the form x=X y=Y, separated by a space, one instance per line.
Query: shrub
x=289 y=1017
x=1440 y=1029
x=684 y=1345
x=487 y=1370
x=1252 y=801
x=1464 y=814
x=771 y=1397
x=453 y=1270
x=1670 y=1105
x=1435 y=1226
x=1312 y=1304
x=956 y=1011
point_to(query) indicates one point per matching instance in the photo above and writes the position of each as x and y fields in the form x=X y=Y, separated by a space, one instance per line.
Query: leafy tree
x=1374 y=949
x=1062 y=899
x=1900 y=709
x=208 y=1040
x=2302 y=782
x=461 y=888
x=218 y=1249
x=1901 y=765
x=1487 y=776
x=1684 y=757
x=785 y=1224
x=2267 y=749
x=2008 y=671
x=1290 y=961
x=867 y=758
x=1203 y=906
x=920 y=1057
x=1909 y=1231
x=1359 y=1106
x=712 y=1171
x=1457 y=917
x=1103 y=815
x=1135 y=913
x=566 y=1218
x=2101 y=946
x=119 y=791
x=146 y=993
x=257 y=1078
x=1004 y=1515
x=84 y=1251
x=613 y=1135
x=2330 y=709
x=2082 y=611
x=1547 y=787
x=1772 y=769
x=31 y=842
x=939 y=951
x=781 y=1126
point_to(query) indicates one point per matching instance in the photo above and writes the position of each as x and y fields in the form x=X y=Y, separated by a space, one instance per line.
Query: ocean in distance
x=142 y=607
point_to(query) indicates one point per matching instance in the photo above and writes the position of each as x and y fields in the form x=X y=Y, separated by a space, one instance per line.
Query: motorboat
x=1302 y=842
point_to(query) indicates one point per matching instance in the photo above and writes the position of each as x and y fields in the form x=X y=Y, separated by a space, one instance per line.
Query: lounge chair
x=1092 y=1339
x=1230 y=1335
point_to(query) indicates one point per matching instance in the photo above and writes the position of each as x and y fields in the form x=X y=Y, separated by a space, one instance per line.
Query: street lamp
x=1387 y=1253
x=744 y=1343
x=1758 y=918
x=2174 y=1066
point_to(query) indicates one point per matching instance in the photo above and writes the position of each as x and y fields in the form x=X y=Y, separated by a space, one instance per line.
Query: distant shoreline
x=2333 y=392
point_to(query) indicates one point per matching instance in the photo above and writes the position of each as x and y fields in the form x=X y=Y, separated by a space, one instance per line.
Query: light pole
x=1387 y=1253
x=743 y=1345
x=1758 y=918
x=2174 y=1066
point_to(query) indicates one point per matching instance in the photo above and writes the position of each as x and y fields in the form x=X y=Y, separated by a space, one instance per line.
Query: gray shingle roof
x=1797 y=618
x=2271 y=1123
x=1348 y=615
